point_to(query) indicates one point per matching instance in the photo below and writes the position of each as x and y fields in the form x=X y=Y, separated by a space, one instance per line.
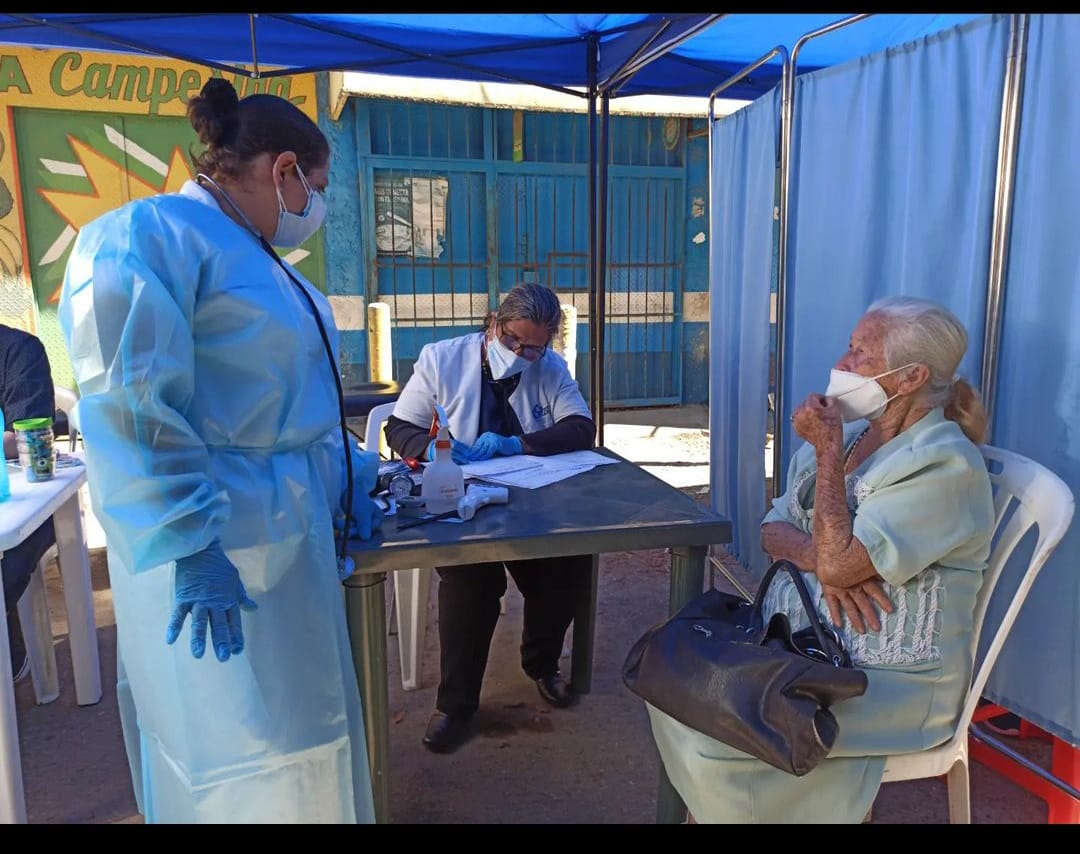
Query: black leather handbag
x=717 y=667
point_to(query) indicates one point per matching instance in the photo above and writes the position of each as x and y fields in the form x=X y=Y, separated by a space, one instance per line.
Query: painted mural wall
x=83 y=133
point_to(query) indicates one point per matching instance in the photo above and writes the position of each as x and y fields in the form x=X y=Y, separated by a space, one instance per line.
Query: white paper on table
x=500 y=465
x=531 y=472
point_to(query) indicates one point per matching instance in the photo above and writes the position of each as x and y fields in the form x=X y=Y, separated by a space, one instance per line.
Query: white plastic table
x=29 y=506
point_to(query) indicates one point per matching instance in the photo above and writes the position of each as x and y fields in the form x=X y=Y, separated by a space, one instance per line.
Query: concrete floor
x=526 y=763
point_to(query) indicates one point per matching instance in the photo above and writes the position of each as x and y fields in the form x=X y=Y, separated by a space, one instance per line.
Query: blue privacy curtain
x=743 y=194
x=892 y=189
x=1037 y=405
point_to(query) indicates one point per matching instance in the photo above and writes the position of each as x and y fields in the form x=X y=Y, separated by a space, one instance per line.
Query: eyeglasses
x=526 y=351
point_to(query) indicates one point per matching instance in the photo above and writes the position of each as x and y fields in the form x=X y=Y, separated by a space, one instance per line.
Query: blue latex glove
x=459 y=451
x=208 y=587
x=367 y=517
x=493 y=445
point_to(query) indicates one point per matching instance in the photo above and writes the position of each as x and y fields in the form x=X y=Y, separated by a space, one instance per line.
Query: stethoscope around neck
x=344 y=560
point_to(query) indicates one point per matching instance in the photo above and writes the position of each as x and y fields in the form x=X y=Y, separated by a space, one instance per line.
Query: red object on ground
x=1064 y=764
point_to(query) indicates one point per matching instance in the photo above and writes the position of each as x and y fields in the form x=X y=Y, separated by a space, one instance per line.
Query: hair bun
x=214 y=111
x=221 y=96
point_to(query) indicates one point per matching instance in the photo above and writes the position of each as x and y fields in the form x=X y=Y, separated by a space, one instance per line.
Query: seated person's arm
x=781 y=538
x=848 y=577
x=573 y=433
x=574 y=428
x=406 y=439
x=29 y=391
x=783 y=541
x=843 y=561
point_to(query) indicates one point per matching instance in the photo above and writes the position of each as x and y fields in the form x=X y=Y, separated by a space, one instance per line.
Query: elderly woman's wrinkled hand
x=858 y=603
x=818 y=421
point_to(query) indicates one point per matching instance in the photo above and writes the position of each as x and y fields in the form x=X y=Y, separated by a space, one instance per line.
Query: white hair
x=533 y=302
x=921 y=331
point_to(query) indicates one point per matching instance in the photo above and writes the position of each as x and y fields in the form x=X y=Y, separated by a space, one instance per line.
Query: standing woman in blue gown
x=216 y=464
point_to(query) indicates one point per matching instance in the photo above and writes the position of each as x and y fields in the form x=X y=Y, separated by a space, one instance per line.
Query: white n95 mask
x=503 y=361
x=294 y=229
x=859 y=396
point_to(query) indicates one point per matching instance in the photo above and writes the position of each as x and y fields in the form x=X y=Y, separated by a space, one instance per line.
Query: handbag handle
x=757 y=616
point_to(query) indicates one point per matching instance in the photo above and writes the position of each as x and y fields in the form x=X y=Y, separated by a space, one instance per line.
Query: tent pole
x=591 y=63
x=611 y=82
x=254 y=47
x=1011 y=106
x=787 y=113
x=745 y=72
x=647 y=53
x=601 y=264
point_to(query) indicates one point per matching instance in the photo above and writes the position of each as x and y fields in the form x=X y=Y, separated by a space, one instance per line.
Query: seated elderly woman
x=888 y=511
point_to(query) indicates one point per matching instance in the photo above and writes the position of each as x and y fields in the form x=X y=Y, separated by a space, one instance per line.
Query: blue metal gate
x=461 y=203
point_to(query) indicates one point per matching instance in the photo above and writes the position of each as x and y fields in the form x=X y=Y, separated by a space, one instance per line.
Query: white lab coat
x=448 y=372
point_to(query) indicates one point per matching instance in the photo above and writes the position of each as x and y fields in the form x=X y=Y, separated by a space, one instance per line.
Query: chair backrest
x=376 y=419
x=65 y=400
x=1037 y=497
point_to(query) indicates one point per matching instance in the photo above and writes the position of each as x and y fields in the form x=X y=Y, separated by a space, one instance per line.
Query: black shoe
x=555 y=690
x=445 y=732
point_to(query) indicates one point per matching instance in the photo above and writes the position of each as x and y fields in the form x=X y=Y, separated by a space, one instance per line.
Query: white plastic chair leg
x=79 y=600
x=412 y=587
x=12 y=800
x=958 y=783
x=37 y=633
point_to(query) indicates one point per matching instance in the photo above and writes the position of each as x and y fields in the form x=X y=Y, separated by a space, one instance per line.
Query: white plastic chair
x=1042 y=499
x=33 y=605
x=65 y=402
x=412 y=587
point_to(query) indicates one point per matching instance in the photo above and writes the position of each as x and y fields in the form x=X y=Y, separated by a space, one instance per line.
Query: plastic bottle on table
x=443 y=483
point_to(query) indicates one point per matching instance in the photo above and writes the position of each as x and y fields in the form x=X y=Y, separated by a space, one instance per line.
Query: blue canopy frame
x=593 y=56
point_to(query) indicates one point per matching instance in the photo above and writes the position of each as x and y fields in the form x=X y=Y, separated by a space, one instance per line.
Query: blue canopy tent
x=676 y=54
x=594 y=56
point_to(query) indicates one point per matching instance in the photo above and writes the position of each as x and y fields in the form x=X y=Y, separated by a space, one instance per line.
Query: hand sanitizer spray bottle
x=443 y=484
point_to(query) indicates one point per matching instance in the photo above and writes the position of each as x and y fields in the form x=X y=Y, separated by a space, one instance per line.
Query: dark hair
x=234 y=131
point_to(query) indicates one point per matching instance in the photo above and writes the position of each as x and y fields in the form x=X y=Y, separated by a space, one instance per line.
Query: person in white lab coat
x=505 y=392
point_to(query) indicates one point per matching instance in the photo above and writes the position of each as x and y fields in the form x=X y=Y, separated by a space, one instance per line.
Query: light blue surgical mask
x=293 y=229
x=503 y=361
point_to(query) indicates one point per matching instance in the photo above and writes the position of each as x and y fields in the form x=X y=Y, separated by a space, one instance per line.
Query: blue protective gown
x=209 y=411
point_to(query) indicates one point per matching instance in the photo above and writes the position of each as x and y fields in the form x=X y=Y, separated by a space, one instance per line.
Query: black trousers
x=17 y=566
x=469 y=609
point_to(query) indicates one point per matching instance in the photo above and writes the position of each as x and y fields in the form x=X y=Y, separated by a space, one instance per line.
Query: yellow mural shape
x=179 y=172
x=111 y=183
x=113 y=186
x=113 y=84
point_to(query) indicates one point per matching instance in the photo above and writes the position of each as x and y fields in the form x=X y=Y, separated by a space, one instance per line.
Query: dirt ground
x=526 y=763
